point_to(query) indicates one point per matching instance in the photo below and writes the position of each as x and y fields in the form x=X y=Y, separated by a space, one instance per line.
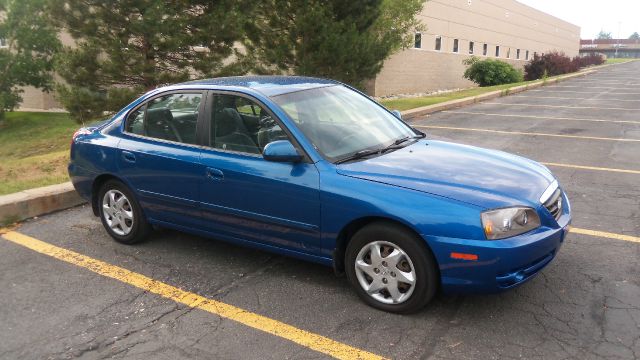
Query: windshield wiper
x=359 y=155
x=394 y=146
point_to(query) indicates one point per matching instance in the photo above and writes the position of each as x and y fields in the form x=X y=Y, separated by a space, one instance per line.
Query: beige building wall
x=37 y=100
x=505 y=23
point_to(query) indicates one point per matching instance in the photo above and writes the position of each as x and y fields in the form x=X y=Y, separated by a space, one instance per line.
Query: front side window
x=455 y=45
x=242 y=125
x=340 y=122
x=171 y=117
x=3 y=43
x=418 y=41
x=485 y=49
x=438 y=43
x=497 y=51
x=471 y=45
x=518 y=54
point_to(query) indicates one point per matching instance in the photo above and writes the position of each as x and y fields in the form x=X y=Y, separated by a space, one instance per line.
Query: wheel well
x=348 y=231
x=95 y=188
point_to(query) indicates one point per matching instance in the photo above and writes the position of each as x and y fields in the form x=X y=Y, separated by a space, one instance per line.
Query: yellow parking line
x=559 y=106
x=570 y=98
x=607 y=235
x=525 y=133
x=581 y=167
x=585 y=92
x=307 y=339
x=541 y=117
x=587 y=87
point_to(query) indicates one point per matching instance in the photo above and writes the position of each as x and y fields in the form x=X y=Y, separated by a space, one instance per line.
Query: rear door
x=159 y=155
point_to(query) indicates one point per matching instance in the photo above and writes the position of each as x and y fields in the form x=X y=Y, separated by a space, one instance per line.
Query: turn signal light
x=462 y=256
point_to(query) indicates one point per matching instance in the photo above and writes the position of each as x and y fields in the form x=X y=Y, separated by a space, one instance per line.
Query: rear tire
x=120 y=213
x=391 y=268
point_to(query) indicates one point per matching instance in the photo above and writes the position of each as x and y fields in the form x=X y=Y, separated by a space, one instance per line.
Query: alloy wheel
x=385 y=272
x=117 y=212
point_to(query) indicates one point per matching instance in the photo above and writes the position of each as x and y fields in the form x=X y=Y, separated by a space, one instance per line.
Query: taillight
x=81 y=131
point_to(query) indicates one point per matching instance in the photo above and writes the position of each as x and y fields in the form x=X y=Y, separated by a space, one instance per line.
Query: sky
x=614 y=16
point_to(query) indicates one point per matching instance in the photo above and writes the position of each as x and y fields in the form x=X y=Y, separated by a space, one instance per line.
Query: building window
x=438 y=43
x=509 y=53
x=497 y=51
x=526 y=55
x=3 y=43
x=471 y=45
x=518 y=54
x=485 y=49
x=455 y=45
x=418 y=41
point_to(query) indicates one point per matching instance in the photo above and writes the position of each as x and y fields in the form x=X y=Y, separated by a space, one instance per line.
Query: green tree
x=604 y=35
x=635 y=36
x=29 y=42
x=127 y=47
x=343 y=40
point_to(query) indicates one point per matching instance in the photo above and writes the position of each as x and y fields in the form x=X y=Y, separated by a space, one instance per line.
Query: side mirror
x=281 y=151
x=397 y=113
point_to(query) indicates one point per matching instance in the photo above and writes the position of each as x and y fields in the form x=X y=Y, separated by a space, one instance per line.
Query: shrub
x=554 y=63
x=491 y=72
x=589 y=60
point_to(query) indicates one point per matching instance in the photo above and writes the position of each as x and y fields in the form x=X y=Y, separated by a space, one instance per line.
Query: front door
x=251 y=199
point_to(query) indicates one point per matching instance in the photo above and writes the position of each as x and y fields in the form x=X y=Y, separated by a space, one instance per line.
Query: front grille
x=554 y=204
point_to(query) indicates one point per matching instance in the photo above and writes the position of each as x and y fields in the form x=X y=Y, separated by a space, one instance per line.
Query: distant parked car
x=313 y=169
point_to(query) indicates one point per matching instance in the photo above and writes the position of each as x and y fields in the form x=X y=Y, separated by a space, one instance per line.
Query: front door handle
x=128 y=156
x=215 y=174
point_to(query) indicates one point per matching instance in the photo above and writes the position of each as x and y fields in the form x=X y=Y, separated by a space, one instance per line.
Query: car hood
x=482 y=177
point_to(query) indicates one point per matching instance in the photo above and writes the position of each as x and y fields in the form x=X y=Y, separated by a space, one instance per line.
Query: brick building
x=611 y=48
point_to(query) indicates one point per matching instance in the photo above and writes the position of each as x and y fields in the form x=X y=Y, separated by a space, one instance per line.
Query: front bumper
x=501 y=264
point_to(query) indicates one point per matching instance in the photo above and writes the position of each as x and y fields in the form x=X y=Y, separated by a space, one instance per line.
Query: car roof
x=267 y=85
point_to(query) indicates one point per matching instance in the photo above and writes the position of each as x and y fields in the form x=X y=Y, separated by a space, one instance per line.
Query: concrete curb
x=35 y=202
x=412 y=114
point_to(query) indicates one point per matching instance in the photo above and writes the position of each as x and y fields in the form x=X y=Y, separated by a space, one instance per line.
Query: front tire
x=121 y=214
x=391 y=268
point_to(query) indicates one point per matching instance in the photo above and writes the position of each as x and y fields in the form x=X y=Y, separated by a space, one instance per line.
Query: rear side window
x=171 y=117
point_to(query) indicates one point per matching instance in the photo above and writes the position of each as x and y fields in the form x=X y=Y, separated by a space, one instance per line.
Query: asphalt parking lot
x=586 y=304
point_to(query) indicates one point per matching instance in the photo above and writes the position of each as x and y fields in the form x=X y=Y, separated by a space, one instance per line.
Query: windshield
x=340 y=122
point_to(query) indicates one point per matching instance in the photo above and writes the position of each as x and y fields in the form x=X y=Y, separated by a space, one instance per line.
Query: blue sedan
x=314 y=169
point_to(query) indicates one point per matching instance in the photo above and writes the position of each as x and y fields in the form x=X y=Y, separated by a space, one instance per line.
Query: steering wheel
x=345 y=139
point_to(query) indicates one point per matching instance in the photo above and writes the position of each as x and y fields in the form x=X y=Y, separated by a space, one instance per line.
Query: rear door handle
x=128 y=156
x=214 y=174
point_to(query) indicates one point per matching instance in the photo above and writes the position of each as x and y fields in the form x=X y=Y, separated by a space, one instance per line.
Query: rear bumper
x=501 y=264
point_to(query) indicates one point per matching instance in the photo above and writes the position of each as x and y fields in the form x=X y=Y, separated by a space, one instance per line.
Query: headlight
x=504 y=223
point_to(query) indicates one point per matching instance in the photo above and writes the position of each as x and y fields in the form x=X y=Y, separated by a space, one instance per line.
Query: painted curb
x=412 y=114
x=39 y=201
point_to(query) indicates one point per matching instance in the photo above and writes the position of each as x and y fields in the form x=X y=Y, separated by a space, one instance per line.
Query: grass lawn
x=34 y=150
x=618 y=61
x=415 y=102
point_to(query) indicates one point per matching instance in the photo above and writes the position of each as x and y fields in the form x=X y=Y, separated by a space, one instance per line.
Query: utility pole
x=619 y=34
